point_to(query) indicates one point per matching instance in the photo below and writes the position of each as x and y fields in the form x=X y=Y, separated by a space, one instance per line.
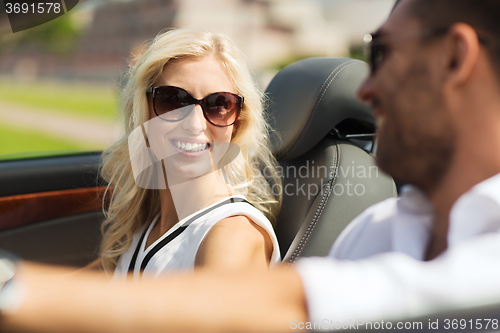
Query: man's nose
x=365 y=91
x=195 y=121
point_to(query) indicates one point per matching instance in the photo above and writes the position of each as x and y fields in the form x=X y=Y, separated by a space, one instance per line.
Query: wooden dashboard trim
x=26 y=209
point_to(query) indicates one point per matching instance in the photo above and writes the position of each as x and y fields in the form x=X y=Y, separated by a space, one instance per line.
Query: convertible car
x=51 y=207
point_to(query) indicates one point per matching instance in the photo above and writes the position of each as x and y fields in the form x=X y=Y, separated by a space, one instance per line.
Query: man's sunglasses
x=376 y=45
x=221 y=109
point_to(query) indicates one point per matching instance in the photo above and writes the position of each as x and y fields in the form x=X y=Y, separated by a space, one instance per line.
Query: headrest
x=313 y=97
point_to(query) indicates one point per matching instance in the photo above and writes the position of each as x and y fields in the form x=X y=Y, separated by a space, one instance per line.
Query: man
x=434 y=88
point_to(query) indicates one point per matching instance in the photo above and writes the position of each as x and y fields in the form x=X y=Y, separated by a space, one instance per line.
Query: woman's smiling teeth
x=190 y=146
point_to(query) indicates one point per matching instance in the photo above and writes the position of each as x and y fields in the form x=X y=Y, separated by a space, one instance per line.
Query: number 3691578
x=40 y=8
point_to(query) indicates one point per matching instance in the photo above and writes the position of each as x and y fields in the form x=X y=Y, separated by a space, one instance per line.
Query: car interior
x=323 y=138
x=51 y=207
x=318 y=123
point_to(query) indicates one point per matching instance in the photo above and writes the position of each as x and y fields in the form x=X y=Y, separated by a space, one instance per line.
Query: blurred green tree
x=57 y=36
x=357 y=52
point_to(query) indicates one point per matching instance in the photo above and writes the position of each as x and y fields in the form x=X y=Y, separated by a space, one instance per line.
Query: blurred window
x=42 y=117
x=55 y=97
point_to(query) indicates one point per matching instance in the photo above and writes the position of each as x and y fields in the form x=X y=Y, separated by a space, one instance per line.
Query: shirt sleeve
x=394 y=285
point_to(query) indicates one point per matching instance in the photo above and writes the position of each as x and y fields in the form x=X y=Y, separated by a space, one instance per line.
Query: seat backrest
x=328 y=179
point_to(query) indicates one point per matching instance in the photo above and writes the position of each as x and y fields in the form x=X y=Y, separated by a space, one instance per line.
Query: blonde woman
x=189 y=103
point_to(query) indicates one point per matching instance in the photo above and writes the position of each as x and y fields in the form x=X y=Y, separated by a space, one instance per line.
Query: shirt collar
x=413 y=226
x=476 y=212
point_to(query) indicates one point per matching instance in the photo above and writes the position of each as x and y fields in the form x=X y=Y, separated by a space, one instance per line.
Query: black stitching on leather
x=321 y=93
x=326 y=195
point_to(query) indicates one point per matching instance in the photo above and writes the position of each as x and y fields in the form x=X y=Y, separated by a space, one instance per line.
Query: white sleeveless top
x=177 y=248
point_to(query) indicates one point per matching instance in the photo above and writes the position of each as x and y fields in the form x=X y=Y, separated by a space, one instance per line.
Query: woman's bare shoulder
x=235 y=243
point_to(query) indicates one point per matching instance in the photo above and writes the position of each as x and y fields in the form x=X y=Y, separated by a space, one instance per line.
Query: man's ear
x=462 y=53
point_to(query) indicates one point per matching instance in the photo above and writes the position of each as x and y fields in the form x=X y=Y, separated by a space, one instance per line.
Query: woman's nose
x=195 y=121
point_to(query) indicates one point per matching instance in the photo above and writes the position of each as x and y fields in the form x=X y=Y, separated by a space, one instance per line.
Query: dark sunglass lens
x=222 y=109
x=378 y=56
x=374 y=51
x=167 y=99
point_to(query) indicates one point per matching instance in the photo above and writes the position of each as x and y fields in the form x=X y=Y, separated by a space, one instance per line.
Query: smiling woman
x=186 y=192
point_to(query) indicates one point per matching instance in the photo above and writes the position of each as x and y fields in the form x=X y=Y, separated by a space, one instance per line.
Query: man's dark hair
x=395 y=4
x=482 y=15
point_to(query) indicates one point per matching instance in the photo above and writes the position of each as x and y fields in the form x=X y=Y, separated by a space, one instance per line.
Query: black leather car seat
x=328 y=179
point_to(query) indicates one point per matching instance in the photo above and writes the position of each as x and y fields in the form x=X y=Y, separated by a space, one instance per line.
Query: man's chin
x=387 y=164
x=399 y=164
x=423 y=172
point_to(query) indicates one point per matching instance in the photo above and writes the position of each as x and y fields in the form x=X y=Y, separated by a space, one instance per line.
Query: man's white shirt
x=375 y=269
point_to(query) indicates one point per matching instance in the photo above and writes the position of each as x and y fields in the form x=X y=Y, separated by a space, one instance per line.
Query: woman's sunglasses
x=221 y=109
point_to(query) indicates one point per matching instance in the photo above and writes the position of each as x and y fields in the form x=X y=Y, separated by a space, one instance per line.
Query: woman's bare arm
x=209 y=301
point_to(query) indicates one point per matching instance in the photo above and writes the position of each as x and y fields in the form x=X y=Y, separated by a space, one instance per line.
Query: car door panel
x=51 y=208
x=72 y=240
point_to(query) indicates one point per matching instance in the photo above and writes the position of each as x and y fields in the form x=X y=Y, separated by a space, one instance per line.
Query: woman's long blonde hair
x=131 y=206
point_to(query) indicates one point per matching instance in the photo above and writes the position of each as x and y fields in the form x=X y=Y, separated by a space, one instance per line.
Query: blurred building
x=271 y=33
x=111 y=30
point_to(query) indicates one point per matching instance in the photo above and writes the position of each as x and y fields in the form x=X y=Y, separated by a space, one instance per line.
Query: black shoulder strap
x=136 y=252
